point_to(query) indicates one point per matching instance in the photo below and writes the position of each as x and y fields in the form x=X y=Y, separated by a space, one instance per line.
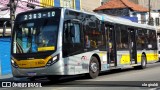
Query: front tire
x=93 y=67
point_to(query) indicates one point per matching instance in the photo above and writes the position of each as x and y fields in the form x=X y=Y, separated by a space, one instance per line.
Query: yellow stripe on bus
x=46 y=48
x=125 y=59
x=152 y=56
x=32 y=63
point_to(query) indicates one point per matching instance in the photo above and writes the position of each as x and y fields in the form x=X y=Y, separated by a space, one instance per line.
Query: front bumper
x=56 y=69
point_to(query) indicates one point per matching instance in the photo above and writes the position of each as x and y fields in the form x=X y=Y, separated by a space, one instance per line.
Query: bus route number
x=39 y=15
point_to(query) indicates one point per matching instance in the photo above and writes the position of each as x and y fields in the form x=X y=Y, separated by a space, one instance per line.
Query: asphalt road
x=127 y=79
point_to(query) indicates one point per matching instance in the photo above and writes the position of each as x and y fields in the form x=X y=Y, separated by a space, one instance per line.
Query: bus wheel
x=93 y=68
x=143 y=62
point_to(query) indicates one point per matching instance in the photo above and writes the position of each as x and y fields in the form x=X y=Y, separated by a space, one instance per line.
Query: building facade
x=90 y=5
x=155 y=11
x=75 y=4
x=125 y=9
x=154 y=3
x=23 y=5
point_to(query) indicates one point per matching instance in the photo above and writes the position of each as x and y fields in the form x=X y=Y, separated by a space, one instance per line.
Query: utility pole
x=12 y=13
x=149 y=7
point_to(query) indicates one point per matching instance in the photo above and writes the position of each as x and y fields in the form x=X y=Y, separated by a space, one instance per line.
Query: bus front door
x=132 y=46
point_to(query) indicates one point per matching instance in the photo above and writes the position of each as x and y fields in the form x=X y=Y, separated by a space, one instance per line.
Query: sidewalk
x=8 y=76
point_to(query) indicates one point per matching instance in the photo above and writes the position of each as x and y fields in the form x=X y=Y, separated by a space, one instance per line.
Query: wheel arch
x=98 y=58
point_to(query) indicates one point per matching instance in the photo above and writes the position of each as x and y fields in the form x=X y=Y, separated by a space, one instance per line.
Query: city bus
x=57 y=41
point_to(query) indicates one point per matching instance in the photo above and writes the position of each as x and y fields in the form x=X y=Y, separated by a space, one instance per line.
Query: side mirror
x=4 y=28
x=72 y=32
x=149 y=46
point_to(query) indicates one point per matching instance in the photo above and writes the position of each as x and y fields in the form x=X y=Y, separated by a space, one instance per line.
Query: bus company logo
x=14 y=84
x=6 y=84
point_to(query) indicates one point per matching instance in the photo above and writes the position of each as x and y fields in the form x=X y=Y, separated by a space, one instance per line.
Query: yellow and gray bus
x=58 y=41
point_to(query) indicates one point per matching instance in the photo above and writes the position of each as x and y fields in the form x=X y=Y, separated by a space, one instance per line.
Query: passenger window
x=122 y=38
x=140 y=39
x=72 y=41
x=76 y=38
x=93 y=37
x=71 y=33
x=152 y=39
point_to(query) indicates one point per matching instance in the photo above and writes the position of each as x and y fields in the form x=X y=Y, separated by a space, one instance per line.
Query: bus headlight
x=52 y=60
x=14 y=64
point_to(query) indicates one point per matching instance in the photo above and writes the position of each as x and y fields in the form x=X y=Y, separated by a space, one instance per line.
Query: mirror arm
x=4 y=28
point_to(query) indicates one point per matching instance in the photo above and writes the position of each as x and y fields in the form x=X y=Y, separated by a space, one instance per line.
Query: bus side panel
x=103 y=59
x=151 y=56
x=77 y=64
x=123 y=58
x=139 y=54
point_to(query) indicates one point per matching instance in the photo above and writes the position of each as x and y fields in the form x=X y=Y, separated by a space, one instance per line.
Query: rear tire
x=93 y=67
x=143 y=63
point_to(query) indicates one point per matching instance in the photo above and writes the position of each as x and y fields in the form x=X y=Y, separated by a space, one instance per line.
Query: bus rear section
x=158 y=44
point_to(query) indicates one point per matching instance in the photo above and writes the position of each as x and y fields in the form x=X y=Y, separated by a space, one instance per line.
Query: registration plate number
x=32 y=74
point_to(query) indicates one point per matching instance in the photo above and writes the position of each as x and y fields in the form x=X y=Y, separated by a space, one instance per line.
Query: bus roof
x=104 y=17
x=123 y=21
x=116 y=19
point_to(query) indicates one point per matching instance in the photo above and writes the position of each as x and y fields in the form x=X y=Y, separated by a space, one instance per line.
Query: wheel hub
x=94 y=67
x=143 y=63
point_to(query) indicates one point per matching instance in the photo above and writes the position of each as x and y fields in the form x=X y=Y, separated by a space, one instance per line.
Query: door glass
x=110 y=45
x=132 y=46
x=72 y=42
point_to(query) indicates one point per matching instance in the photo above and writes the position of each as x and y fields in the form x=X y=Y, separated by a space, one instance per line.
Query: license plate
x=32 y=74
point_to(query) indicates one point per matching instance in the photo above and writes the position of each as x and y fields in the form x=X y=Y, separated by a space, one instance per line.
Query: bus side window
x=152 y=39
x=140 y=39
x=71 y=33
x=76 y=34
x=122 y=38
x=71 y=38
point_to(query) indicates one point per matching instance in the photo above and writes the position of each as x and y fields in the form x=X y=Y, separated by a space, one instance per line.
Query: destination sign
x=30 y=16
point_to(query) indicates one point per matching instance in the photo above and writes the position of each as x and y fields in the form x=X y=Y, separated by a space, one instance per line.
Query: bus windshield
x=35 y=36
